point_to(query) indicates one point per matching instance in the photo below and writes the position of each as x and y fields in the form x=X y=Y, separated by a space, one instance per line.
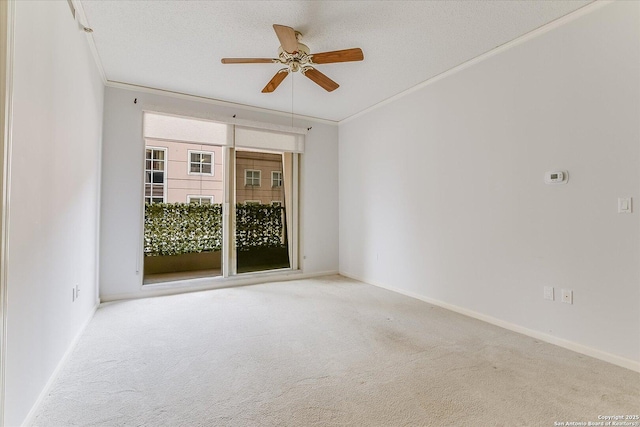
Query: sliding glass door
x=217 y=203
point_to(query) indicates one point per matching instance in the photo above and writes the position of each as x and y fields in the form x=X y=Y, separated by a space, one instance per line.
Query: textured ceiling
x=177 y=45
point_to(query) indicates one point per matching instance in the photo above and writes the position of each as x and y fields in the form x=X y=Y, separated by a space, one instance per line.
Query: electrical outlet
x=548 y=293
x=567 y=296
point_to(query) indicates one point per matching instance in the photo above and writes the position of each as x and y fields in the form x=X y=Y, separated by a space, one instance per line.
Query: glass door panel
x=261 y=195
x=183 y=221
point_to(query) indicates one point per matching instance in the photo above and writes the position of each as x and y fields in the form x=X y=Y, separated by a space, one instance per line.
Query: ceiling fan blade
x=325 y=82
x=346 y=55
x=247 y=60
x=276 y=80
x=287 y=37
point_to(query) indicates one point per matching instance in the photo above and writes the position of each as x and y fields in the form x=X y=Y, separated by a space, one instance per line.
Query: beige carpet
x=325 y=352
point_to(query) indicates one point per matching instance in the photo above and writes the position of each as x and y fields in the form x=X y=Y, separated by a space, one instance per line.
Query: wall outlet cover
x=624 y=204
x=567 y=296
x=548 y=293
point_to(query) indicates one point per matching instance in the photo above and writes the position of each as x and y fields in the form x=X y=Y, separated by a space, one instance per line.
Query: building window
x=200 y=163
x=154 y=175
x=252 y=202
x=276 y=203
x=200 y=200
x=276 y=179
x=252 y=177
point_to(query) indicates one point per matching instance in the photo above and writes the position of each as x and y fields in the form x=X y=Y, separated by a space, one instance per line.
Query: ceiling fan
x=296 y=57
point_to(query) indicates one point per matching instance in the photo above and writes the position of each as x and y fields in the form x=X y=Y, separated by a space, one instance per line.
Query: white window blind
x=185 y=129
x=268 y=140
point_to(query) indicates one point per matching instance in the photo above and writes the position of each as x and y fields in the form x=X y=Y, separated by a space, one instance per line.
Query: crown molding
x=571 y=16
x=213 y=101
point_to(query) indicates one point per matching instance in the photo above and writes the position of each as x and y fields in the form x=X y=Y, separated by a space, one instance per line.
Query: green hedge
x=259 y=226
x=181 y=228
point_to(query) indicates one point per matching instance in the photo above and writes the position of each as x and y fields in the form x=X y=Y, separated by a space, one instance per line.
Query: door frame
x=7 y=15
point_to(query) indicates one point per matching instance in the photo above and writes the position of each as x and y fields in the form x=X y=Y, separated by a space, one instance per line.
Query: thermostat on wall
x=556 y=177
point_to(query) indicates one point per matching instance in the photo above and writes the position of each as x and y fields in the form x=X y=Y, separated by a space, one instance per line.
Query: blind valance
x=185 y=129
x=268 y=140
x=201 y=131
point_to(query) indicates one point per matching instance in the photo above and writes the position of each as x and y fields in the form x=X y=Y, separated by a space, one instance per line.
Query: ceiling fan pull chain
x=292 y=79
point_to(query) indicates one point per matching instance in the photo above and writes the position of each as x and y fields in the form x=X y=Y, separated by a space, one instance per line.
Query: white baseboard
x=45 y=391
x=561 y=342
x=207 y=284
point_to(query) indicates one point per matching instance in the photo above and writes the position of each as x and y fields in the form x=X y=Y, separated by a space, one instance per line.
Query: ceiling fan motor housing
x=296 y=60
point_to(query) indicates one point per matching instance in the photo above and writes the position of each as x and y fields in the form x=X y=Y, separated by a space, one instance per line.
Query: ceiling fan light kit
x=297 y=57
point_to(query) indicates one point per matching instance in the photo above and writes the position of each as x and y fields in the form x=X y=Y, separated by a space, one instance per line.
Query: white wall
x=442 y=193
x=4 y=33
x=54 y=196
x=122 y=175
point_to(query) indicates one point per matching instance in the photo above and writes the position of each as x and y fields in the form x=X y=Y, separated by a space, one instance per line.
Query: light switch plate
x=567 y=296
x=624 y=204
x=548 y=293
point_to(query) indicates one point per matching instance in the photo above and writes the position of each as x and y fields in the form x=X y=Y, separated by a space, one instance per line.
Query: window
x=276 y=203
x=252 y=202
x=252 y=177
x=276 y=179
x=154 y=175
x=200 y=200
x=200 y=163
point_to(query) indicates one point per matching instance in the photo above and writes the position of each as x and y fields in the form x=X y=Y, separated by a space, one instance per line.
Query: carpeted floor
x=323 y=352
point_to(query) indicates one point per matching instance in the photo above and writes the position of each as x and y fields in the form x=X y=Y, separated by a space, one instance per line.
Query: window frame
x=229 y=173
x=252 y=202
x=201 y=152
x=196 y=196
x=164 y=173
x=253 y=178
x=280 y=179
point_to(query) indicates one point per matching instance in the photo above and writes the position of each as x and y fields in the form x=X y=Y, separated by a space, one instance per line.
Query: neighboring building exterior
x=179 y=172
x=259 y=178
